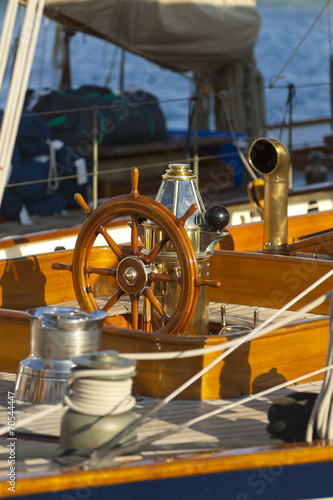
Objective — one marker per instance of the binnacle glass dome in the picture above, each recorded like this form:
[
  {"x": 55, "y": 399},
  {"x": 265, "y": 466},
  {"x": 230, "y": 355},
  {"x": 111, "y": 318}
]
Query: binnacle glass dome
[{"x": 178, "y": 192}]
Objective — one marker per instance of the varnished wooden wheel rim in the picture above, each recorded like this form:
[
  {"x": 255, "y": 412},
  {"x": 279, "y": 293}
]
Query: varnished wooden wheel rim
[{"x": 135, "y": 205}]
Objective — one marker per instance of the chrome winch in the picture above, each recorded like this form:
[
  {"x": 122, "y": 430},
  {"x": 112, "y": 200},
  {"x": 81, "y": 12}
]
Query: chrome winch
[
  {"x": 178, "y": 192},
  {"x": 57, "y": 335}
]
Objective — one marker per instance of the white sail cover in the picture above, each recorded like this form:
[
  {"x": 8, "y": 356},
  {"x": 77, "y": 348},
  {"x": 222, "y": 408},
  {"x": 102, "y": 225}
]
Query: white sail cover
[{"x": 182, "y": 35}]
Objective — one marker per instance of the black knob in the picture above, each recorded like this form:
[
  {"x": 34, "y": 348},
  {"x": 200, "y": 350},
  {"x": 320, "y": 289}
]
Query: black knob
[{"x": 217, "y": 217}]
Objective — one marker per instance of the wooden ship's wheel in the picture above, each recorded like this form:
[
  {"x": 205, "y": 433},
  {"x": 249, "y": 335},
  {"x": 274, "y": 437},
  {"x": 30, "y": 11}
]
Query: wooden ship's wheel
[{"x": 134, "y": 273}]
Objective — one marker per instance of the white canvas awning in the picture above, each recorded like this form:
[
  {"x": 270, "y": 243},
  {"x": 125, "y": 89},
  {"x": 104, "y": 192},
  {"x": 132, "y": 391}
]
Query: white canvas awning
[{"x": 179, "y": 35}]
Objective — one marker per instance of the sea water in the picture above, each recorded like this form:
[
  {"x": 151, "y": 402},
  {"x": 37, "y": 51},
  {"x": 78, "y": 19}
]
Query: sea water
[{"x": 284, "y": 25}]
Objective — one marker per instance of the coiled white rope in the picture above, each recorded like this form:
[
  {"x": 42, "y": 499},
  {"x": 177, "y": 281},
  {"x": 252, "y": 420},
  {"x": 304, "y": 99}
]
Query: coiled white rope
[
  {"x": 90, "y": 394},
  {"x": 96, "y": 392}
]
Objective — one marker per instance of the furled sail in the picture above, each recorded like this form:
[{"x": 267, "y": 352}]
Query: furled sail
[{"x": 186, "y": 35}]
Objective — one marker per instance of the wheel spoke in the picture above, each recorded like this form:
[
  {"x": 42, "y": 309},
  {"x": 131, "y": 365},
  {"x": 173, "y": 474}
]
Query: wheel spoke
[
  {"x": 135, "y": 311},
  {"x": 156, "y": 249},
  {"x": 212, "y": 283},
  {"x": 112, "y": 244},
  {"x": 134, "y": 236},
  {"x": 190, "y": 211},
  {"x": 113, "y": 299},
  {"x": 61, "y": 267},
  {"x": 165, "y": 278},
  {"x": 135, "y": 182},
  {"x": 101, "y": 271},
  {"x": 155, "y": 303},
  {"x": 81, "y": 201}
]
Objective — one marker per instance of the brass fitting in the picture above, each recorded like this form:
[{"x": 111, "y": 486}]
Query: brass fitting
[{"x": 270, "y": 158}]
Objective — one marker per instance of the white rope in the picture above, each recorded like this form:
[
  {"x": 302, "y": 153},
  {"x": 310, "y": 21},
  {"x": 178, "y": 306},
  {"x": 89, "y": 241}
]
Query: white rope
[
  {"x": 31, "y": 418},
  {"x": 251, "y": 397},
  {"x": 44, "y": 44},
  {"x": 253, "y": 334},
  {"x": 241, "y": 341},
  {"x": 18, "y": 87},
  {"x": 6, "y": 36},
  {"x": 58, "y": 52},
  {"x": 90, "y": 394},
  {"x": 52, "y": 180},
  {"x": 108, "y": 75},
  {"x": 321, "y": 417},
  {"x": 230, "y": 124},
  {"x": 186, "y": 425},
  {"x": 175, "y": 393}
]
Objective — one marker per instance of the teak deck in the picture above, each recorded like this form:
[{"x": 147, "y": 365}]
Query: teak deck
[{"x": 235, "y": 442}]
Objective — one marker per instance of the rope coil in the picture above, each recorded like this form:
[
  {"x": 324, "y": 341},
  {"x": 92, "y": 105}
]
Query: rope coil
[{"x": 100, "y": 392}]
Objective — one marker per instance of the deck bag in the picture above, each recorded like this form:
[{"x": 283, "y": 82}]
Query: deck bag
[
  {"x": 288, "y": 417},
  {"x": 33, "y": 197},
  {"x": 128, "y": 118},
  {"x": 38, "y": 157}
]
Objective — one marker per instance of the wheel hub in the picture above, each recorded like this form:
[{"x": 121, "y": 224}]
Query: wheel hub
[{"x": 132, "y": 275}]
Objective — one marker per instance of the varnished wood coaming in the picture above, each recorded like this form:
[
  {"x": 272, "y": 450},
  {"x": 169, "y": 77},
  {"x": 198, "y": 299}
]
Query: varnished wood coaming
[
  {"x": 247, "y": 278},
  {"x": 30, "y": 281},
  {"x": 313, "y": 245},
  {"x": 267, "y": 280},
  {"x": 249, "y": 237},
  {"x": 253, "y": 367},
  {"x": 287, "y": 353}
]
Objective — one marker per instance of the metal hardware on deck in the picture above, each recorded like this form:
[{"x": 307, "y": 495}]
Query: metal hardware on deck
[
  {"x": 57, "y": 335},
  {"x": 223, "y": 317},
  {"x": 270, "y": 158},
  {"x": 309, "y": 255},
  {"x": 99, "y": 400},
  {"x": 230, "y": 329},
  {"x": 179, "y": 192},
  {"x": 255, "y": 318}
]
